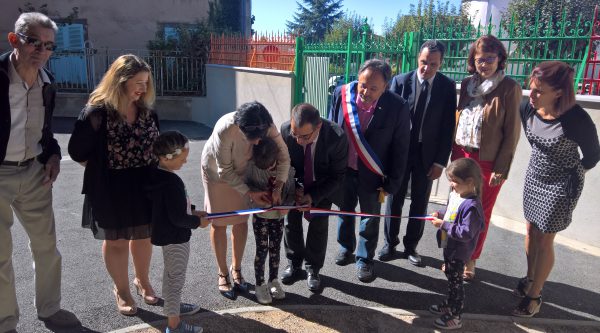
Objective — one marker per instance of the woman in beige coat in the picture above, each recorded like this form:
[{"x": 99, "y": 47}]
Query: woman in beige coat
[
  {"x": 224, "y": 160},
  {"x": 488, "y": 126}
]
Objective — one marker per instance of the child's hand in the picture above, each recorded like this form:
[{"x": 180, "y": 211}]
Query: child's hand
[
  {"x": 435, "y": 214},
  {"x": 204, "y": 222},
  {"x": 437, "y": 222}
]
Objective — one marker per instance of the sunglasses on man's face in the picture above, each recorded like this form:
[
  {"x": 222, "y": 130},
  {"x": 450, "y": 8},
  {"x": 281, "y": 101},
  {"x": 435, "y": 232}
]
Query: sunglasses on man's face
[{"x": 49, "y": 46}]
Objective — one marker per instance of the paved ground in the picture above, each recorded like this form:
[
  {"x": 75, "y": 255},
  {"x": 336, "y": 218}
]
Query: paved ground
[{"x": 572, "y": 292}]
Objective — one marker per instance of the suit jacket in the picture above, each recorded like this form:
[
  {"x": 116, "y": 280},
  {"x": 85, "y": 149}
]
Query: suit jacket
[
  {"x": 388, "y": 134},
  {"x": 437, "y": 127},
  {"x": 330, "y": 161},
  {"x": 49, "y": 144}
]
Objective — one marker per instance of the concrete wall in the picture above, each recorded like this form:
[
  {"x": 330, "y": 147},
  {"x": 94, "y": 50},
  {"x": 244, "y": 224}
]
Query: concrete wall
[
  {"x": 510, "y": 200},
  {"x": 114, "y": 24},
  {"x": 228, "y": 87},
  {"x": 167, "y": 107}
]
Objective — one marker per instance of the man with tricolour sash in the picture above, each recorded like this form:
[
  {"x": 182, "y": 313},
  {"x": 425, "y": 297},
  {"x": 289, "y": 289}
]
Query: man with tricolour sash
[{"x": 377, "y": 123}]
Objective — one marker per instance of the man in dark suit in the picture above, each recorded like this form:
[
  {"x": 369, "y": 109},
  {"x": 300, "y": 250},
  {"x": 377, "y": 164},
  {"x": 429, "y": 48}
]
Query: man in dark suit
[
  {"x": 431, "y": 100},
  {"x": 385, "y": 128},
  {"x": 319, "y": 152}
]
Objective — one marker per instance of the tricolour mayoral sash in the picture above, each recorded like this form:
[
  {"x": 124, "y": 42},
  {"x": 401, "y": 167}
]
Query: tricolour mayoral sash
[{"x": 358, "y": 140}]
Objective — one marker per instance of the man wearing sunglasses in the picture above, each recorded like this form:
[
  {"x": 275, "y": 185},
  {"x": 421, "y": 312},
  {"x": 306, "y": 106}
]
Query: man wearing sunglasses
[
  {"x": 319, "y": 153},
  {"x": 29, "y": 164}
]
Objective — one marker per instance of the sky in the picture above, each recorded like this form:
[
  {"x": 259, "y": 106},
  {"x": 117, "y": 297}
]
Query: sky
[{"x": 271, "y": 15}]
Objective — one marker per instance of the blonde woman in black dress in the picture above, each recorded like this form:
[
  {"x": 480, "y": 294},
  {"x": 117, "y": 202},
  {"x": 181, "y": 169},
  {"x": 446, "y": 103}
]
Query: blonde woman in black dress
[{"x": 556, "y": 128}]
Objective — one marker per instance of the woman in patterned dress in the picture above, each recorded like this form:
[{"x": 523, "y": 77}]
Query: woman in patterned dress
[
  {"x": 113, "y": 138},
  {"x": 555, "y": 127}
]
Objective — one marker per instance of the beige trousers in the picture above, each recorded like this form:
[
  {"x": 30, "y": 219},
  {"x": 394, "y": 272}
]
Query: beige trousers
[{"x": 22, "y": 192}]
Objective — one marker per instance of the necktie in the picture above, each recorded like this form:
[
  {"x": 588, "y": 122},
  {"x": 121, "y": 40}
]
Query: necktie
[
  {"x": 418, "y": 113},
  {"x": 308, "y": 172}
]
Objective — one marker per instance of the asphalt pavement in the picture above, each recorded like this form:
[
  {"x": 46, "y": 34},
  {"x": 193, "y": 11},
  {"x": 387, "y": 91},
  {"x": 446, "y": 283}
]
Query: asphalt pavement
[{"x": 572, "y": 292}]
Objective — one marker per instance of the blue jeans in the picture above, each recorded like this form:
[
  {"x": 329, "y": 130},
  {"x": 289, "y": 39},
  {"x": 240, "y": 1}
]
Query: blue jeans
[{"x": 368, "y": 229}]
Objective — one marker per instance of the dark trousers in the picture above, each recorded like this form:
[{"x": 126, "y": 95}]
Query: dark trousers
[
  {"x": 313, "y": 252},
  {"x": 456, "y": 290},
  {"x": 368, "y": 229},
  {"x": 420, "y": 189},
  {"x": 267, "y": 233}
]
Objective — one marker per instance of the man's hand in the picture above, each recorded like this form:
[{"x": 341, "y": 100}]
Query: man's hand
[
  {"x": 51, "y": 170},
  {"x": 434, "y": 172},
  {"x": 306, "y": 200}
]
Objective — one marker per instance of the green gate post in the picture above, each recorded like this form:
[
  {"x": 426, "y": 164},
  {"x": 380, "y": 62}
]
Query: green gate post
[
  {"x": 348, "y": 56},
  {"x": 299, "y": 72},
  {"x": 365, "y": 31}
]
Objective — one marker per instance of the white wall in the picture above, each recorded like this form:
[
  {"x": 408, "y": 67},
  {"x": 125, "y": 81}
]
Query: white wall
[
  {"x": 480, "y": 11},
  {"x": 228, "y": 87}
]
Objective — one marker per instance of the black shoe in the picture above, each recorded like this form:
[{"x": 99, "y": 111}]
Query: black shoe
[
  {"x": 365, "y": 272},
  {"x": 387, "y": 253},
  {"x": 291, "y": 274},
  {"x": 413, "y": 257},
  {"x": 344, "y": 258},
  {"x": 313, "y": 281}
]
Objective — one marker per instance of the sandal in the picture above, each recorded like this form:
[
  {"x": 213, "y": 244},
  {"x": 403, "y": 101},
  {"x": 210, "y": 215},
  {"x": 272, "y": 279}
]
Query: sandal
[
  {"x": 122, "y": 306},
  {"x": 149, "y": 298},
  {"x": 528, "y": 307},
  {"x": 225, "y": 286},
  {"x": 238, "y": 280},
  {"x": 522, "y": 287}
]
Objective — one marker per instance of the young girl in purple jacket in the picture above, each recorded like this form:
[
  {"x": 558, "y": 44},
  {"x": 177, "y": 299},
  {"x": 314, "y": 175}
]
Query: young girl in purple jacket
[{"x": 458, "y": 232}]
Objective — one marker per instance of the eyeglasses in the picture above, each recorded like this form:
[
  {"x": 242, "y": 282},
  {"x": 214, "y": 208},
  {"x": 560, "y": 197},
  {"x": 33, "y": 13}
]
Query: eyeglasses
[
  {"x": 488, "y": 60},
  {"x": 303, "y": 137},
  {"x": 49, "y": 46}
]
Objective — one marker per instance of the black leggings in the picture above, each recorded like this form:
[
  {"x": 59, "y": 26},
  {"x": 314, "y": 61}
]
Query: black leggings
[
  {"x": 456, "y": 291},
  {"x": 268, "y": 234}
]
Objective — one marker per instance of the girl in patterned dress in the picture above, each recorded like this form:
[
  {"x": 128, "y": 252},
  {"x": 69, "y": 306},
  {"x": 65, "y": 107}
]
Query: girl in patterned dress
[
  {"x": 556, "y": 128},
  {"x": 458, "y": 233},
  {"x": 268, "y": 226}
]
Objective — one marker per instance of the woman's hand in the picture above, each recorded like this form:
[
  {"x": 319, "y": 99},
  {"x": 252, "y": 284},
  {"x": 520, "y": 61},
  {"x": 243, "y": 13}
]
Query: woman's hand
[
  {"x": 276, "y": 195},
  {"x": 496, "y": 179},
  {"x": 261, "y": 198}
]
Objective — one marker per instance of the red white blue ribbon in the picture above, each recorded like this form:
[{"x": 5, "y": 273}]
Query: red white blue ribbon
[
  {"x": 316, "y": 211},
  {"x": 362, "y": 147}
]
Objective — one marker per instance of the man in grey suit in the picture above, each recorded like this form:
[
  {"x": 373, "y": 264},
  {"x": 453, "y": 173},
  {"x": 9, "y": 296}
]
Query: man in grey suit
[{"x": 431, "y": 100}]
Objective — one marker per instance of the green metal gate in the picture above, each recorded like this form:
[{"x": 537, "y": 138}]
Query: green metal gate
[{"x": 321, "y": 67}]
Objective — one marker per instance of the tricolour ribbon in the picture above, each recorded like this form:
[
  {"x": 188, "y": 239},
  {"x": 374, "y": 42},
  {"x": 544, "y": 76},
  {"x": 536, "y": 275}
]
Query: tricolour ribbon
[
  {"x": 315, "y": 211},
  {"x": 362, "y": 147}
]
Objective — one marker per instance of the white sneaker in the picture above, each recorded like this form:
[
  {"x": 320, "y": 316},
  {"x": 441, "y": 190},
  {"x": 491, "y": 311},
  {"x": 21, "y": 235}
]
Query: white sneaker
[
  {"x": 262, "y": 294},
  {"x": 276, "y": 289}
]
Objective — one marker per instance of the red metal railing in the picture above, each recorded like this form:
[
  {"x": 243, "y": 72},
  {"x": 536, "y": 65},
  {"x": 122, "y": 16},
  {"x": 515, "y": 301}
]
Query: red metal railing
[
  {"x": 591, "y": 80},
  {"x": 274, "y": 51}
]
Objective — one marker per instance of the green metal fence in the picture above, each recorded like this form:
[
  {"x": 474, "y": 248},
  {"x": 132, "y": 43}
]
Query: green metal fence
[
  {"x": 320, "y": 67},
  {"x": 527, "y": 45}
]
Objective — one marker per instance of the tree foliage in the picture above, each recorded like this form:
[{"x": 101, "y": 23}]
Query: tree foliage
[
  {"x": 224, "y": 16},
  {"x": 192, "y": 40},
  {"x": 421, "y": 17},
  {"x": 314, "y": 18},
  {"x": 339, "y": 29}
]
